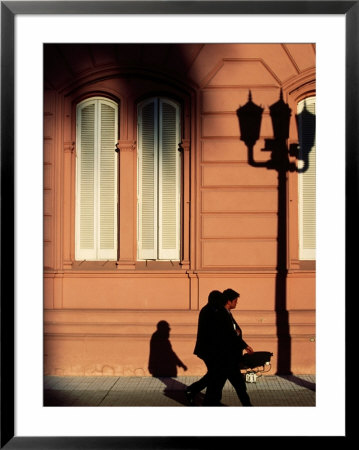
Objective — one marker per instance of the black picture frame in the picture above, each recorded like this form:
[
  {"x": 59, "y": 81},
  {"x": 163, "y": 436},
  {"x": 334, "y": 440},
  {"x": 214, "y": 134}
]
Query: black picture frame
[{"x": 9, "y": 9}]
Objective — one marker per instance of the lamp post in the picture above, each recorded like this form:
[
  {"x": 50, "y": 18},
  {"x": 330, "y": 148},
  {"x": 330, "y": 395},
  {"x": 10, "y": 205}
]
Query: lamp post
[{"x": 249, "y": 117}]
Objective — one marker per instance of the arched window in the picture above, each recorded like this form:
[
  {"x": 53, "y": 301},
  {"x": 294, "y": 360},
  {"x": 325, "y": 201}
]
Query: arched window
[
  {"x": 159, "y": 169},
  {"x": 96, "y": 180},
  {"x": 307, "y": 179}
]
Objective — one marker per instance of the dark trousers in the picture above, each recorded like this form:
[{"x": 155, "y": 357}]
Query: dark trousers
[
  {"x": 199, "y": 385},
  {"x": 237, "y": 380},
  {"x": 215, "y": 379}
]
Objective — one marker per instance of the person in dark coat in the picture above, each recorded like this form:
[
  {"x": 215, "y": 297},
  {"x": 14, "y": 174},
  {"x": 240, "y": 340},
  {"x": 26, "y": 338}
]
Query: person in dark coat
[
  {"x": 233, "y": 352},
  {"x": 206, "y": 347},
  {"x": 220, "y": 344},
  {"x": 207, "y": 321}
]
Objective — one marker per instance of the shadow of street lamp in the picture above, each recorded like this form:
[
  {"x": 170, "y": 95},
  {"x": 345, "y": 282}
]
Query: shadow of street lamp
[{"x": 250, "y": 116}]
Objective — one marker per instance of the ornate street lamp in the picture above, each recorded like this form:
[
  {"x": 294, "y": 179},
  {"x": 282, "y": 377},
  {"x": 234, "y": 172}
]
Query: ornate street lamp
[
  {"x": 249, "y": 117},
  {"x": 306, "y": 134},
  {"x": 280, "y": 114}
]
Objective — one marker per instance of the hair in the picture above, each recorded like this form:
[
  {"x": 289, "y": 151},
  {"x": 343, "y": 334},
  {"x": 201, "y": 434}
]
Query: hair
[
  {"x": 229, "y": 295},
  {"x": 163, "y": 325},
  {"x": 215, "y": 298}
]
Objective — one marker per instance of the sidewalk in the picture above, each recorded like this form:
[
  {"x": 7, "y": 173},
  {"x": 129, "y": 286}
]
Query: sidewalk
[{"x": 292, "y": 390}]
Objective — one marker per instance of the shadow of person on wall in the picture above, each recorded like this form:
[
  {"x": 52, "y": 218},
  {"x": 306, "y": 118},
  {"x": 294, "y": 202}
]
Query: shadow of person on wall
[{"x": 163, "y": 362}]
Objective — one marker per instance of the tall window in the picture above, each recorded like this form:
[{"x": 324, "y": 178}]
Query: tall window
[
  {"x": 158, "y": 180},
  {"x": 307, "y": 183},
  {"x": 96, "y": 180}
]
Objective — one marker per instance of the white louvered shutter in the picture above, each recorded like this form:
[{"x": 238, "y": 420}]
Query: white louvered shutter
[
  {"x": 85, "y": 199},
  {"x": 169, "y": 177},
  {"x": 107, "y": 227},
  {"x": 158, "y": 180},
  {"x": 307, "y": 189},
  {"x": 96, "y": 181},
  {"x": 147, "y": 180}
]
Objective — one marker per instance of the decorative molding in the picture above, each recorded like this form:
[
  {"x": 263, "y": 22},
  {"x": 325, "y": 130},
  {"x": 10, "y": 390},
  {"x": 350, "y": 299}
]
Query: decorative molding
[
  {"x": 69, "y": 147},
  {"x": 301, "y": 85},
  {"x": 302, "y": 266},
  {"x": 125, "y": 146},
  {"x": 67, "y": 264},
  {"x": 185, "y": 264},
  {"x": 184, "y": 145},
  {"x": 291, "y": 58},
  {"x": 125, "y": 264},
  {"x": 220, "y": 65}
]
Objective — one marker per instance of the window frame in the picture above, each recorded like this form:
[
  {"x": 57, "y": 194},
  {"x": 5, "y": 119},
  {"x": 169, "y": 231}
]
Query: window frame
[
  {"x": 158, "y": 253},
  {"x": 96, "y": 254},
  {"x": 305, "y": 254}
]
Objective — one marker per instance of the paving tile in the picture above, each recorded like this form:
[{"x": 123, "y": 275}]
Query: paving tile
[{"x": 293, "y": 390}]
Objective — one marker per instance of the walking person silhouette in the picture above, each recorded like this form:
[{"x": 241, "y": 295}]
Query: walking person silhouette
[{"x": 220, "y": 344}]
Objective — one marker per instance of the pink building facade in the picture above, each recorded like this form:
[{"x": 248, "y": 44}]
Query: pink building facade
[{"x": 151, "y": 201}]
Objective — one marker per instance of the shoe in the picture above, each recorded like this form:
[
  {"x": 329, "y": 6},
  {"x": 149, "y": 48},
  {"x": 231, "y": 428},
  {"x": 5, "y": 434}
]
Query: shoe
[{"x": 190, "y": 396}]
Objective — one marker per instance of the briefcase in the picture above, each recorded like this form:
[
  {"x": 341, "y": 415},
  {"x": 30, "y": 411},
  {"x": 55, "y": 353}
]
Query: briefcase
[{"x": 255, "y": 359}]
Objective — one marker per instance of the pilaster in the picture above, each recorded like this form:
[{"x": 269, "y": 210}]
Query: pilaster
[
  {"x": 127, "y": 204},
  {"x": 69, "y": 148},
  {"x": 184, "y": 147}
]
